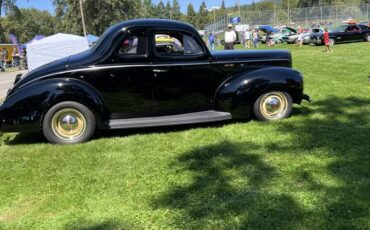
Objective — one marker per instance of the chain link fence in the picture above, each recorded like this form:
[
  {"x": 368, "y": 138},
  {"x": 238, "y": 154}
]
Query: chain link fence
[{"x": 306, "y": 17}]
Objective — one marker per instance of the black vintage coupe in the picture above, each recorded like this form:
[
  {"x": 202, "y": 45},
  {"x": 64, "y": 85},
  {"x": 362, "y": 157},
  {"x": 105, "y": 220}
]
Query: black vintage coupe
[
  {"x": 344, "y": 34},
  {"x": 144, "y": 73}
]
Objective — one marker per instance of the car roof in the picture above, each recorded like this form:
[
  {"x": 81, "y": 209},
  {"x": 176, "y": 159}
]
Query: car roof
[
  {"x": 151, "y": 22},
  {"x": 106, "y": 39}
]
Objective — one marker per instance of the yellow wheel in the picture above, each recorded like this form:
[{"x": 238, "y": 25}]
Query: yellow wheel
[
  {"x": 68, "y": 123},
  {"x": 273, "y": 106}
]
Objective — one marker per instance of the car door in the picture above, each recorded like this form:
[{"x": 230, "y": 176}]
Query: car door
[
  {"x": 352, "y": 33},
  {"x": 125, "y": 79},
  {"x": 183, "y": 77},
  {"x": 340, "y": 34}
]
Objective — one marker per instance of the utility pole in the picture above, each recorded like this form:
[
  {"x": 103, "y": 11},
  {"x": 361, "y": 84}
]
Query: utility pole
[
  {"x": 83, "y": 18},
  {"x": 288, "y": 13},
  {"x": 274, "y": 13},
  {"x": 239, "y": 7}
]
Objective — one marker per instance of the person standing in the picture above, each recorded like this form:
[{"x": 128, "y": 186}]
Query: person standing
[
  {"x": 300, "y": 40},
  {"x": 15, "y": 56},
  {"x": 243, "y": 38},
  {"x": 255, "y": 38},
  {"x": 230, "y": 38},
  {"x": 1, "y": 61},
  {"x": 300, "y": 29},
  {"x": 326, "y": 40},
  {"x": 211, "y": 41},
  {"x": 247, "y": 39},
  {"x": 5, "y": 58}
]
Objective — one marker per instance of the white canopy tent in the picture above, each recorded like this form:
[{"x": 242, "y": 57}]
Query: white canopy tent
[{"x": 53, "y": 48}]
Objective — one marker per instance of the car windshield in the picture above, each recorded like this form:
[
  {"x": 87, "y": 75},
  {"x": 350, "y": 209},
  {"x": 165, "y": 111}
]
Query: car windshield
[
  {"x": 340, "y": 28},
  {"x": 101, "y": 39}
]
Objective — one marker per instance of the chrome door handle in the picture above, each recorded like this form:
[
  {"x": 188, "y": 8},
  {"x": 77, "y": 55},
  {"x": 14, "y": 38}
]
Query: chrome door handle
[{"x": 160, "y": 70}]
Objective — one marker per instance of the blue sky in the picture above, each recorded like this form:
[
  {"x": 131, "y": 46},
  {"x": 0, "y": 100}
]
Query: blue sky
[{"x": 48, "y": 5}]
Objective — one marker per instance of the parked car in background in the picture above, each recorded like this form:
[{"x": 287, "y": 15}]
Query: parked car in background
[
  {"x": 344, "y": 34},
  {"x": 365, "y": 23},
  {"x": 283, "y": 35},
  {"x": 147, "y": 73},
  {"x": 292, "y": 39},
  {"x": 311, "y": 32}
]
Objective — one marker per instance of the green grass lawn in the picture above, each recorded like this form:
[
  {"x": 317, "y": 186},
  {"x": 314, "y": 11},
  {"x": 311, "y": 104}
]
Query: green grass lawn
[{"x": 311, "y": 171}]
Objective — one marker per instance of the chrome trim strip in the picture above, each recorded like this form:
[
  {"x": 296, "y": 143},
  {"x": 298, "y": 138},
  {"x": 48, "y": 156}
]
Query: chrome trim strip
[
  {"x": 90, "y": 68},
  {"x": 248, "y": 61}
]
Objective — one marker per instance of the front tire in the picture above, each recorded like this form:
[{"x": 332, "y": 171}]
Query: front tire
[
  {"x": 68, "y": 123},
  {"x": 273, "y": 105},
  {"x": 331, "y": 41}
]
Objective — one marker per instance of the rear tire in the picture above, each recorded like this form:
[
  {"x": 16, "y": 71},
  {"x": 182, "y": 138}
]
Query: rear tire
[
  {"x": 68, "y": 123},
  {"x": 273, "y": 105},
  {"x": 331, "y": 41},
  {"x": 367, "y": 37}
]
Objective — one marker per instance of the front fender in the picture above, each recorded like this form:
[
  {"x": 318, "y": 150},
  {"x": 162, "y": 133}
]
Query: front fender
[
  {"x": 238, "y": 93},
  {"x": 24, "y": 110}
]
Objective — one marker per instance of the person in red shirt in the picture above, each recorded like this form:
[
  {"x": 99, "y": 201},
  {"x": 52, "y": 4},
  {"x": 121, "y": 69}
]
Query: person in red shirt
[{"x": 326, "y": 40}]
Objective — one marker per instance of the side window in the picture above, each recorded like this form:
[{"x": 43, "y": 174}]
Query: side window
[
  {"x": 133, "y": 45},
  {"x": 176, "y": 44},
  {"x": 363, "y": 27}
]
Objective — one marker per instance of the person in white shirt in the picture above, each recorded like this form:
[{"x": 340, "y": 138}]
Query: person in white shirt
[
  {"x": 230, "y": 38},
  {"x": 300, "y": 40},
  {"x": 247, "y": 39}
]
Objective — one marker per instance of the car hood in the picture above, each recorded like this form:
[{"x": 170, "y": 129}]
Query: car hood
[
  {"x": 236, "y": 55},
  {"x": 64, "y": 64}
]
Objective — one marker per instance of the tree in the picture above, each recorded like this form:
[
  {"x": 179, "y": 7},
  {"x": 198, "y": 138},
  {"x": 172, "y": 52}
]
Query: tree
[
  {"x": 191, "y": 15},
  {"x": 203, "y": 16},
  {"x": 176, "y": 12},
  {"x": 149, "y": 9},
  {"x": 31, "y": 22},
  {"x": 161, "y": 10},
  {"x": 99, "y": 14},
  {"x": 9, "y": 9},
  {"x": 168, "y": 10},
  {"x": 222, "y": 11}
]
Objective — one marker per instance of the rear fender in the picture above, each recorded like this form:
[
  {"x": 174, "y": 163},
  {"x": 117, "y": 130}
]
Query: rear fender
[
  {"x": 24, "y": 110},
  {"x": 238, "y": 93}
]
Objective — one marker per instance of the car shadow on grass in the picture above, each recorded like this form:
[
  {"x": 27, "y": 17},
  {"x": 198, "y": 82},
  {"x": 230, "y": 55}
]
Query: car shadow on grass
[
  {"x": 103, "y": 225},
  {"x": 36, "y": 138},
  {"x": 228, "y": 190},
  {"x": 230, "y": 186}
]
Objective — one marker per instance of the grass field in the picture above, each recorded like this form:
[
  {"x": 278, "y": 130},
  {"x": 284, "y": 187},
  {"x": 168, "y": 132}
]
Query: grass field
[{"x": 311, "y": 171}]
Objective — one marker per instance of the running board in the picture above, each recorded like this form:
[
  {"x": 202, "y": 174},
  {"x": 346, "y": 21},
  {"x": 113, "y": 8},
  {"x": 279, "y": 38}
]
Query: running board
[{"x": 182, "y": 119}]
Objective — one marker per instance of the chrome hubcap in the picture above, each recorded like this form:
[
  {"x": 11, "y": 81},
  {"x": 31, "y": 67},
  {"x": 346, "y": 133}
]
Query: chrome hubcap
[
  {"x": 368, "y": 38},
  {"x": 273, "y": 105},
  {"x": 68, "y": 124}
]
